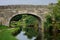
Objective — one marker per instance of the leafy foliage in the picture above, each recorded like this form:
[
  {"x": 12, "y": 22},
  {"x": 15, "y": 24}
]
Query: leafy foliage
[
  {"x": 24, "y": 21},
  {"x": 54, "y": 17},
  {"x": 30, "y": 32},
  {"x": 53, "y": 23}
]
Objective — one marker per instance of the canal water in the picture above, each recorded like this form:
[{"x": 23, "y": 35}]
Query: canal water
[
  {"x": 28, "y": 33},
  {"x": 21, "y": 36}
]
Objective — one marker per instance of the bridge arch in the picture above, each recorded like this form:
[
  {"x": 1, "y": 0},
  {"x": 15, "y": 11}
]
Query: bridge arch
[
  {"x": 40, "y": 27},
  {"x": 32, "y": 14}
]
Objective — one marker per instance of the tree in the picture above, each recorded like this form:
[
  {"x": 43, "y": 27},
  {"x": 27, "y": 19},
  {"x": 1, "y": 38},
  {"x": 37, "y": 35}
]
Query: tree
[{"x": 54, "y": 19}]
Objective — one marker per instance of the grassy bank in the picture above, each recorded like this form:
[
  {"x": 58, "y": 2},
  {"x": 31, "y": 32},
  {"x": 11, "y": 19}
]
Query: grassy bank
[{"x": 6, "y": 33}]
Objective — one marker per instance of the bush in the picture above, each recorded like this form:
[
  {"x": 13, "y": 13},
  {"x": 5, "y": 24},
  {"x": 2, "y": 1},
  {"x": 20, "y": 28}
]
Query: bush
[{"x": 3, "y": 27}]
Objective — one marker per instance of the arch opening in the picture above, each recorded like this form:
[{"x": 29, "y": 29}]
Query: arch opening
[{"x": 30, "y": 22}]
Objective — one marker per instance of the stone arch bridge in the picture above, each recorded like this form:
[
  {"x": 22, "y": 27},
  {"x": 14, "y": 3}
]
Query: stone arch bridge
[{"x": 7, "y": 12}]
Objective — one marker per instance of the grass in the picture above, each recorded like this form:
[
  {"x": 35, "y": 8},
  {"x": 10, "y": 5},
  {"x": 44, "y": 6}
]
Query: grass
[
  {"x": 3, "y": 27},
  {"x": 6, "y": 33}
]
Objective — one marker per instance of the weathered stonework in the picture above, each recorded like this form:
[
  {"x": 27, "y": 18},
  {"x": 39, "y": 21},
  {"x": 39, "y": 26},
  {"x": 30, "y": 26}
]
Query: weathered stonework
[{"x": 7, "y": 12}]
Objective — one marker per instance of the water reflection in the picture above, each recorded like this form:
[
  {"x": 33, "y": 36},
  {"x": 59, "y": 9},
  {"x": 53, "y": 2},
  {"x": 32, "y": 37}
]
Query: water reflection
[
  {"x": 21, "y": 36},
  {"x": 28, "y": 33}
]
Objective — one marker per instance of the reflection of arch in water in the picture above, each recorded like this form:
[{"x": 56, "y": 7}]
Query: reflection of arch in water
[{"x": 38, "y": 18}]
